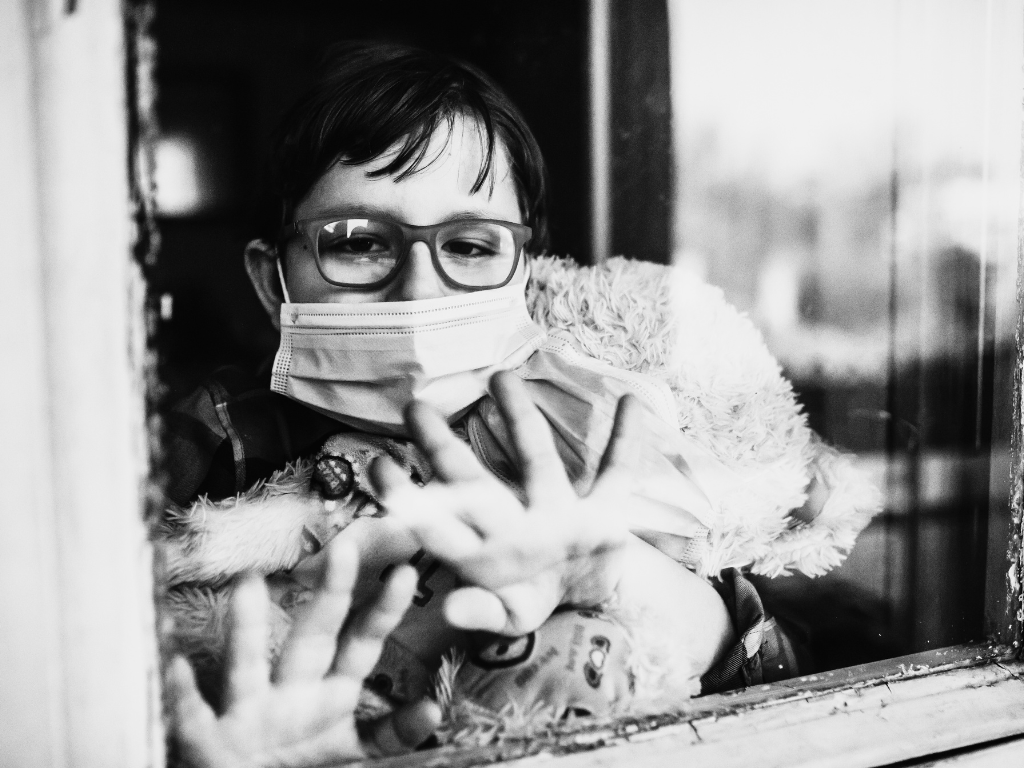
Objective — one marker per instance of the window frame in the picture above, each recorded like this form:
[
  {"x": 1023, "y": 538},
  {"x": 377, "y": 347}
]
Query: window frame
[
  {"x": 873, "y": 714},
  {"x": 79, "y": 677},
  {"x": 89, "y": 557}
]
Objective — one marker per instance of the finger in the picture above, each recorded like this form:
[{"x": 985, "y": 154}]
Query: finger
[
  {"x": 622, "y": 454},
  {"x": 511, "y": 611},
  {"x": 543, "y": 474},
  {"x": 431, "y": 513},
  {"x": 482, "y": 503},
  {"x": 248, "y": 669},
  {"x": 361, "y": 642},
  {"x": 450, "y": 458},
  {"x": 389, "y": 480},
  {"x": 405, "y": 729},
  {"x": 193, "y": 721},
  {"x": 312, "y": 643},
  {"x": 474, "y": 608}
]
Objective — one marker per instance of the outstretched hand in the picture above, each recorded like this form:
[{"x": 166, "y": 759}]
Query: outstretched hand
[
  {"x": 303, "y": 715},
  {"x": 520, "y": 561}
]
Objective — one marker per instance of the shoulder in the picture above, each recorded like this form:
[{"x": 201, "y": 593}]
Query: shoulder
[{"x": 232, "y": 431}]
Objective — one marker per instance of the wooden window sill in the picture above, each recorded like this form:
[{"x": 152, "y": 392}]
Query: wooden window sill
[{"x": 902, "y": 709}]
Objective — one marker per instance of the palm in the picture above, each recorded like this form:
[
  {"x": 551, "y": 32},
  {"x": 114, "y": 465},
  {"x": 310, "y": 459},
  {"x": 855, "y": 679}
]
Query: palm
[{"x": 295, "y": 724}]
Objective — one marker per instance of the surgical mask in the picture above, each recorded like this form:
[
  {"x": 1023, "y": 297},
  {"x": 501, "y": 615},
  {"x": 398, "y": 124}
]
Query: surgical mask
[{"x": 363, "y": 363}]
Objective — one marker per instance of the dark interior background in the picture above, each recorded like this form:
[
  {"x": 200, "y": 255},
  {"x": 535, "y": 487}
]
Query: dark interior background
[{"x": 227, "y": 71}]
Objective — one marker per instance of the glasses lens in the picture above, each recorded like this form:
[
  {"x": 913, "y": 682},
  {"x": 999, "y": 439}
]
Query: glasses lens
[
  {"x": 478, "y": 254},
  {"x": 357, "y": 251}
]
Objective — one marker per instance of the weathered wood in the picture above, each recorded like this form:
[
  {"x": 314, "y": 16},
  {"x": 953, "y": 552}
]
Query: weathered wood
[
  {"x": 78, "y": 668},
  {"x": 912, "y": 665},
  {"x": 34, "y": 725},
  {"x": 847, "y": 729},
  {"x": 1004, "y": 600},
  {"x": 875, "y": 715}
]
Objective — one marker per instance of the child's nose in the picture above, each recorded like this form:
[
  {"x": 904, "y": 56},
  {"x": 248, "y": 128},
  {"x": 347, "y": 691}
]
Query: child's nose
[{"x": 418, "y": 278}]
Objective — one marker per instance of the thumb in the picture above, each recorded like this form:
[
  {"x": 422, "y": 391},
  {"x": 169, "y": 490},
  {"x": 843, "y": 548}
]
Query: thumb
[{"x": 475, "y": 608}]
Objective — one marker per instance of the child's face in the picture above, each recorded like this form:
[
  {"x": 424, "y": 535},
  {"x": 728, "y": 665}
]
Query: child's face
[{"x": 435, "y": 193}]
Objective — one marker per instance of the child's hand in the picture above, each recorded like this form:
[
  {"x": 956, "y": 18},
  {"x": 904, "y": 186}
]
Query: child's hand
[
  {"x": 304, "y": 717},
  {"x": 521, "y": 562}
]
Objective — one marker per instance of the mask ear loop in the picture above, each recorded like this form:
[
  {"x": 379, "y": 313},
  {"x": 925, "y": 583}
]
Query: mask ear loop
[{"x": 284, "y": 285}]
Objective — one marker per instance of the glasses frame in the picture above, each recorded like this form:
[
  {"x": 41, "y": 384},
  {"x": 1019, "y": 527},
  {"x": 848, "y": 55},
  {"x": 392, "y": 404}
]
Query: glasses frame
[{"x": 308, "y": 228}]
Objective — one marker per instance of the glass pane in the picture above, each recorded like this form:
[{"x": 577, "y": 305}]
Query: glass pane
[{"x": 848, "y": 173}]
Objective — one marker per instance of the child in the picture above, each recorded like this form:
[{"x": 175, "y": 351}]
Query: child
[{"x": 412, "y": 192}]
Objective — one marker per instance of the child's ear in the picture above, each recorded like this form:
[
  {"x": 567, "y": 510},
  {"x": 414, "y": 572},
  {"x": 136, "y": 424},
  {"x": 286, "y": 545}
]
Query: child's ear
[{"x": 261, "y": 265}]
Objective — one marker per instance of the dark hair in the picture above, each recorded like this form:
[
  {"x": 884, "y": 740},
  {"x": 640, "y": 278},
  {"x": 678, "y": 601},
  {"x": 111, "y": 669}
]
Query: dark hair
[{"x": 368, "y": 97}]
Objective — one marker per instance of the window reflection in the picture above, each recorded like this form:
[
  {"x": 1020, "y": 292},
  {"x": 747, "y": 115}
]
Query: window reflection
[{"x": 847, "y": 172}]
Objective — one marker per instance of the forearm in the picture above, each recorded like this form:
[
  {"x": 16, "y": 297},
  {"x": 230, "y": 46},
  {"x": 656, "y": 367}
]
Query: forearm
[{"x": 690, "y": 609}]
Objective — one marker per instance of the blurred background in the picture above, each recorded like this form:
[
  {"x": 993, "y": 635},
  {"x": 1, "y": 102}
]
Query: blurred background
[
  {"x": 849, "y": 173},
  {"x": 846, "y": 170}
]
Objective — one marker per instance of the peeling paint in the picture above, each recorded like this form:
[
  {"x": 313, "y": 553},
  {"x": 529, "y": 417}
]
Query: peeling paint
[
  {"x": 1010, "y": 630},
  {"x": 140, "y": 64}
]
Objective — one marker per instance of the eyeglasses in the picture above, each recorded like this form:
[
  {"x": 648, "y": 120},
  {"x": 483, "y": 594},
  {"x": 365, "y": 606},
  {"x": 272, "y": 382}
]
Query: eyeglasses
[{"x": 354, "y": 251}]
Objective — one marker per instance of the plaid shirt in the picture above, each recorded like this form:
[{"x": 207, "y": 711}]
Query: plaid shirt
[
  {"x": 233, "y": 431},
  {"x": 764, "y": 653}
]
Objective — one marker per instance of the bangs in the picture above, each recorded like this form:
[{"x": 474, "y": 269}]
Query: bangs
[
  {"x": 414, "y": 155},
  {"x": 371, "y": 98}
]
